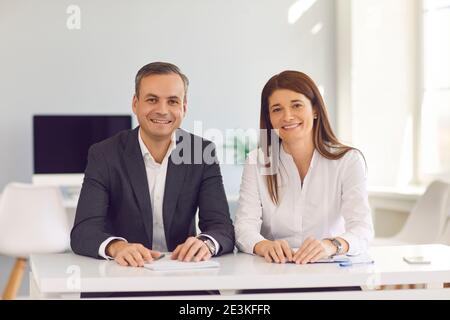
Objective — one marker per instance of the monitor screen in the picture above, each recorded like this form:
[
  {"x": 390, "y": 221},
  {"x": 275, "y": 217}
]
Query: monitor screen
[{"x": 61, "y": 143}]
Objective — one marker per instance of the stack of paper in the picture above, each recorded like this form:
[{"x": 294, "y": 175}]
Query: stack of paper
[
  {"x": 171, "y": 265},
  {"x": 361, "y": 259},
  {"x": 345, "y": 260}
]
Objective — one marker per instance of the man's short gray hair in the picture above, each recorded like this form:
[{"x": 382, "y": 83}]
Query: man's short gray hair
[{"x": 159, "y": 68}]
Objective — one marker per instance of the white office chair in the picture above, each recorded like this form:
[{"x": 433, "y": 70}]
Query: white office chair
[
  {"x": 445, "y": 236},
  {"x": 32, "y": 220},
  {"x": 427, "y": 219}
]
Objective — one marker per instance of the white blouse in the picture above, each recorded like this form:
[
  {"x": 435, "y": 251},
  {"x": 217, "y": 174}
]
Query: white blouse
[{"x": 333, "y": 202}]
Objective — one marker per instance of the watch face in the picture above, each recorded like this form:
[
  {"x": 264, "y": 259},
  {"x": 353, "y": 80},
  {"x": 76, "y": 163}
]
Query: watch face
[
  {"x": 338, "y": 246},
  {"x": 210, "y": 245}
]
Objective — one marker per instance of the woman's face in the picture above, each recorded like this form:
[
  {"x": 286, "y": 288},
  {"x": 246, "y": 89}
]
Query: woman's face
[{"x": 292, "y": 114}]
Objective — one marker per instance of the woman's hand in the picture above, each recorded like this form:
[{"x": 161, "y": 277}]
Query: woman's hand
[
  {"x": 277, "y": 251},
  {"x": 313, "y": 250}
]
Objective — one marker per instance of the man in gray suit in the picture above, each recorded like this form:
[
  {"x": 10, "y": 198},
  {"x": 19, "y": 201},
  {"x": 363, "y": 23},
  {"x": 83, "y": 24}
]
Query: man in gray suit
[{"x": 142, "y": 187}]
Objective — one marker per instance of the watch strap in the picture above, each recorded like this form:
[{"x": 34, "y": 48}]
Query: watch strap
[
  {"x": 209, "y": 244},
  {"x": 338, "y": 245}
]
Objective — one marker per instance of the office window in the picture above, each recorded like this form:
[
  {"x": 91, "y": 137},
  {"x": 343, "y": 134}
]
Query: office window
[{"x": 434, "y": 146}]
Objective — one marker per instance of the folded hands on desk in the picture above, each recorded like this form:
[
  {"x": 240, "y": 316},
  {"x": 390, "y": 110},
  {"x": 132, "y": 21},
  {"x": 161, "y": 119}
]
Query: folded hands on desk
[
  {"x": 312, "y": 250},
  {"x": 136, "y": 255}
]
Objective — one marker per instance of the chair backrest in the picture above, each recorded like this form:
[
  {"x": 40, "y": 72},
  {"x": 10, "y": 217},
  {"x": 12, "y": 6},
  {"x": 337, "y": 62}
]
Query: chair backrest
[
  {"x": 32, "y": 220},
  {"x": 427, "y": 219},
  {"x": 445, "y": 236}
]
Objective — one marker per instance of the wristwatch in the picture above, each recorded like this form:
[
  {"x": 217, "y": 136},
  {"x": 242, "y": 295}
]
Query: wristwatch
[
  {"x": 338, "y": 245},
  {"x": 209, "y": 244}
]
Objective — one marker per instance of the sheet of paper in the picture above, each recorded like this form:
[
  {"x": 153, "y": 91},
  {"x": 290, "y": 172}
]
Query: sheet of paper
[
  {"x": 344, "y": 259},
  {"x": 172, "y": 265},
  {"x": 364, "y": 258},
  {"x": 335, "y": 259}
]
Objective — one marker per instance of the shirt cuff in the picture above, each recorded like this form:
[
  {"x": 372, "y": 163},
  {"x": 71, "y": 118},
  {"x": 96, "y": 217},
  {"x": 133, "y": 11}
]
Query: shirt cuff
[
  {"x": 247, "y": 243},
  {"x": 216, "y": 244},
  {"x": 356, "y": 246},
  {"x": 102, "y": 248}
]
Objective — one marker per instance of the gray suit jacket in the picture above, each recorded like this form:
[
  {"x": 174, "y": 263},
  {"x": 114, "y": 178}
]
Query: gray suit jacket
[{"x": 115, "y": 200}]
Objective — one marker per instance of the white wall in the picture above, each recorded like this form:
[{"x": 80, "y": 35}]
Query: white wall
[
  {"x": 385, "y": 93},
  {"x": 379, "y": 47},
  {"x": 228, "y": 49}
]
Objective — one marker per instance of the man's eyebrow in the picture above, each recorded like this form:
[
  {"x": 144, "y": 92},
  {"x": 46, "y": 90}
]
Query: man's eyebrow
[
  {"x": 151, "y": 95},
  {"x": 174, "y": 97}
]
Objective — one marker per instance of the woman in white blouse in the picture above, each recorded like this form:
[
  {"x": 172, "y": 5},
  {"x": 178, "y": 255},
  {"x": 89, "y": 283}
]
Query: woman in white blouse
[{"x": 314, "y": 203}]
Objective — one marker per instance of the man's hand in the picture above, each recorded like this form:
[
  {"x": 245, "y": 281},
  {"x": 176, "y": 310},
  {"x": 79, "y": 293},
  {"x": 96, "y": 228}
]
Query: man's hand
[
  {"x": 130, "y": 254},
  {"x": 192, "y": 249},
  {"x": 277, "y": 251}
]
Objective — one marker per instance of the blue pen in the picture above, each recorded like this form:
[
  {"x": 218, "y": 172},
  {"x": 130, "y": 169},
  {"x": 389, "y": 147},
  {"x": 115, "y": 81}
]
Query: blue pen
[{"x": 349, "y": 263}]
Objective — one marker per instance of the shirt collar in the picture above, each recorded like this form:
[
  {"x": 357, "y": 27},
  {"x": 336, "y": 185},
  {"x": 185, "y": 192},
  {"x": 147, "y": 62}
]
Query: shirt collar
[
  {"x": 286, "y": 156},
  {"x": 147, "y": 154}
]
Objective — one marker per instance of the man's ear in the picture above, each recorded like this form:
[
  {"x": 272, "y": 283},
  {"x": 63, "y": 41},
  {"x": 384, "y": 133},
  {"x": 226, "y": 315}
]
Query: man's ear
[
  {"x": 185, "y": 106},
  {"x": 134, "y": 104}
]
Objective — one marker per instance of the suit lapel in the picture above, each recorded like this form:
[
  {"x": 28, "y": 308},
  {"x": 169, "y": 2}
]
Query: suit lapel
[
  {"x": 174, "y": 182},
  {"x": 138, "y": 178}
]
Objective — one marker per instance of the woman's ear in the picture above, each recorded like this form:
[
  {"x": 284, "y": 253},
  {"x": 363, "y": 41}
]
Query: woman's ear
[{"x": 315, "y": 112}]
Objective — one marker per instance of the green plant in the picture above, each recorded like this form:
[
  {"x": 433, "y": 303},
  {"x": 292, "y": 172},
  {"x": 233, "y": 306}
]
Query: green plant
[{"x": 241, "y": 145}]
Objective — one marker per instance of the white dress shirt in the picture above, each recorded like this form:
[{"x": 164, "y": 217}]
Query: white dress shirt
[
  {"x": 156, "y": 178},
  {"x": 333, "y": 202}
]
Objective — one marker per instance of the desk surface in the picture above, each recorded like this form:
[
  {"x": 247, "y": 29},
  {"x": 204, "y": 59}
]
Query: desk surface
[{"x": 69, "y": 273}]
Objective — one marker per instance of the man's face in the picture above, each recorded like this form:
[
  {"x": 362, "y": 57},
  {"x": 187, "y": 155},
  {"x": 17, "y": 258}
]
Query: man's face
[{"x": 161, "y": 105}]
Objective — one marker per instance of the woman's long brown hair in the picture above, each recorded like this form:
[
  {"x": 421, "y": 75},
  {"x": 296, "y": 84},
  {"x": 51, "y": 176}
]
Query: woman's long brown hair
[{"x": 324, "y": 138}]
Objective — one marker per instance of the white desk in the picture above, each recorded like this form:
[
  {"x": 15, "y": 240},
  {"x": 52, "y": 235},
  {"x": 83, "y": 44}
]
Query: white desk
[{"x": 66, "y": 275}]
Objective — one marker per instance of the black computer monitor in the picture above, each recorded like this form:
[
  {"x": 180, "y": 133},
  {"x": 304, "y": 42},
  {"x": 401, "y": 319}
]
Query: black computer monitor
[{"x": 61, "y": 142}]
